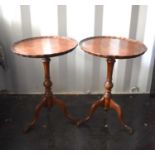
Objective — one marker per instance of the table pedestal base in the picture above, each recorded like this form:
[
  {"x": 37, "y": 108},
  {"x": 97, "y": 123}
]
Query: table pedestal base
[
  {"x": 106, "y": 100},
  {"x": 48, "y": 99},
  {"x": 113, "y": 105},
  {"x": 48, "y": 102}
]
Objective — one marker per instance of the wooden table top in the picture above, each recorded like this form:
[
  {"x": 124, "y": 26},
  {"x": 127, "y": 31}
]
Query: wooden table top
[
  {"x": 107, "y": 46},
  {"x": 44, "y": 46}
]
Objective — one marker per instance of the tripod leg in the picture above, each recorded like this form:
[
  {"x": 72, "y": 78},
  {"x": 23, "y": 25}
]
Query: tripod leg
[
  {"x": 64, "y": 109},
  {"x": 36, "y": 115},
  {"x": 117, "y": 108},
  {"x": 91, "y": 111}
]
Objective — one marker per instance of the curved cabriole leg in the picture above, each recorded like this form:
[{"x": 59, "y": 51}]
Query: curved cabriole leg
[
  {"x": 91, "y": 111},
  {"x": 64, "y": 109},
  {"x": 117, "y": 108},
  {"x": 36, "y": 115}
]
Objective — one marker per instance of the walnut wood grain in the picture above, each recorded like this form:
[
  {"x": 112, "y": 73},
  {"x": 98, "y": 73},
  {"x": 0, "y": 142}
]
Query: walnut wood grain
[
  {"x": 117, "y": 47},
  {"x": 44, "y": 46}
]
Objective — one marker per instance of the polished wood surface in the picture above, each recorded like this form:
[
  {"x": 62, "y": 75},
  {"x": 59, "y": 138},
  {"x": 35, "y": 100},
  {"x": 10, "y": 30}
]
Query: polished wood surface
[
  {"x": 117, "y": 47},
  {"x": 110, "y": 48},
  {"x": 44, "y": 46}
]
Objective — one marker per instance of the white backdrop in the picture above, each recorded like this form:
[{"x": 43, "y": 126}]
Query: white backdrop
[{"x": 76, "y": 72}]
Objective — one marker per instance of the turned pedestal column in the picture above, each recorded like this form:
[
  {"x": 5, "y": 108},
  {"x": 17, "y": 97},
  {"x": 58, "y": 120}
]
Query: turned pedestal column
[{"x": 48, "y": 99}]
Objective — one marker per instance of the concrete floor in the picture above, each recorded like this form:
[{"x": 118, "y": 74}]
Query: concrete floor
[{"x": 54, "y": 132}]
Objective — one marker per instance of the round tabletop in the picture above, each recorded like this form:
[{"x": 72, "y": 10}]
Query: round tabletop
[
  {"x": 44, "y": 46},
  {"x": 117, "y": 47}
]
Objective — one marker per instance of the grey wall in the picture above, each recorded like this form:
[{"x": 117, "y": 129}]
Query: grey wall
[{"x": 76, "y": 72}]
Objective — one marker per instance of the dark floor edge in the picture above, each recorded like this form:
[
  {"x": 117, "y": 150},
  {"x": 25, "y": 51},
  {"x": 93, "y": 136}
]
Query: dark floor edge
[{"x": 12, "y": 94}]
